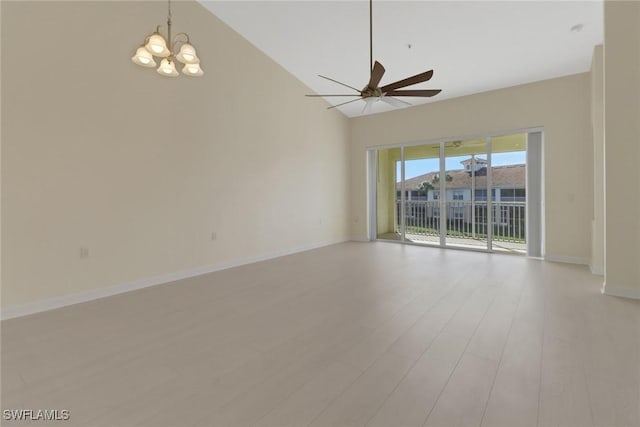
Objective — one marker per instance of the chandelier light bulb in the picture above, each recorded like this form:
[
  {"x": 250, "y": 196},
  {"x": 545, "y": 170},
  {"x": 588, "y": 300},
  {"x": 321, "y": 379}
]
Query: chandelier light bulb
[
  {"x": 192, "y": 70},
  {"x": 157, "y": 46},
  {"x": 187, "y": 54},
  {"x": 143, "y": 58},
  {"x": 167, "y": 68}
]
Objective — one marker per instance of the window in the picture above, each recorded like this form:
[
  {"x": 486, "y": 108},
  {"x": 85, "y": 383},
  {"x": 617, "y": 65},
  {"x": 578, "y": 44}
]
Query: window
[
  {"x": 519, "y": 195},
  {"x": 513, "y": 194},
  {"x": 481, "y": 194},
  {"x": 458, "y": 195},
  {"x": 436, "y": 195}
]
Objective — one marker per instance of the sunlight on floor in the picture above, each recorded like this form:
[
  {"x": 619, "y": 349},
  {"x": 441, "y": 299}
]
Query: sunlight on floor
[{"x": 455, "y": 242}]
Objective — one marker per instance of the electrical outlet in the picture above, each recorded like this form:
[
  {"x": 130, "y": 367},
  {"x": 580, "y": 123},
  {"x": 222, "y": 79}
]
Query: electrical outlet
[{"x": 84, "y": 252}]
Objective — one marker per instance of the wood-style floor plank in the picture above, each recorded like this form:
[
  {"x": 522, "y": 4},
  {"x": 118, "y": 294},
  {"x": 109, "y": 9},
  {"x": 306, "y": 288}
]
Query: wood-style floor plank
[{"x": 376, "y": 334}]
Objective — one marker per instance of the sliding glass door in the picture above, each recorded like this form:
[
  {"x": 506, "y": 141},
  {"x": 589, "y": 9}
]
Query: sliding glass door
[{"x": 458, "y": 193}]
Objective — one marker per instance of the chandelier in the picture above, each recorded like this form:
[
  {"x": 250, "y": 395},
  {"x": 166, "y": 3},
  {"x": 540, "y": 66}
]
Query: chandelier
[{"x": 156, "y": 45}]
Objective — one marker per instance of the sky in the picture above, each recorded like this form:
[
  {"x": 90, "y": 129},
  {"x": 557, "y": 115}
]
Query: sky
[{"x": 420, "y": 167}]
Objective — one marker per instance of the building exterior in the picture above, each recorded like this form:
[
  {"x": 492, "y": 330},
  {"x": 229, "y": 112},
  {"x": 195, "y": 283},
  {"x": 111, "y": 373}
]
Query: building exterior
[{"x": 466, "y": 199}]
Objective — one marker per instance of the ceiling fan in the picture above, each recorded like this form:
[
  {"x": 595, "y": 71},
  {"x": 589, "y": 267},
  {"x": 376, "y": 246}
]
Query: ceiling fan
[
  {"x": 372, "y": 92},
  {"x": 450, "y": 144}
]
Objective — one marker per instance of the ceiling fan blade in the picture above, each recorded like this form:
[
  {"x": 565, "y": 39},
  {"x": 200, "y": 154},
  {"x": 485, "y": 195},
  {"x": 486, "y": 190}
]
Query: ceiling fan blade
[
  {"x": 332, "y": 95},
  {"x": 395, "y": 102},
  {"x": 376, "y": 75},
  {"x": 344, "y": 103},
  {"x": 340, "y": 83},
  {"x": 418, "y": 78},
  {"x": 367, "y": 107},
  {"x": 425, "y": 93}
]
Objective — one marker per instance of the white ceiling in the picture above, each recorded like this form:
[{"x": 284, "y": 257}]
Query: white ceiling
[{"x": 472, "y": 46}]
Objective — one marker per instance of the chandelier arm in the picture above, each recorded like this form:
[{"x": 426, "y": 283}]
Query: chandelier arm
[
  {"x": 175, "y": 41},
  {"x": 183, "y": 41}
]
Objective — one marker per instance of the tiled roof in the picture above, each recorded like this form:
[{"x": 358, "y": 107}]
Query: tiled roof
[{"x": 512, "y": 176}]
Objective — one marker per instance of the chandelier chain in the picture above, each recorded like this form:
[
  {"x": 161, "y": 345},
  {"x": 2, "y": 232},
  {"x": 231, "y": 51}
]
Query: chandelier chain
[{"x": 169, "y": 25}]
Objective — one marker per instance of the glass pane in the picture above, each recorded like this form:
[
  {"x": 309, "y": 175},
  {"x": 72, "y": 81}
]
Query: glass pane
[
  {"x": 508, "y": 160},
  {"x": 465, "y": 178},
  {"x": 422, "y": 204}
]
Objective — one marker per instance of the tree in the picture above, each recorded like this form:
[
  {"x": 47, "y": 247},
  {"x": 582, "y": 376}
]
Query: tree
[
  {"x": 425, "y": 186},
  {"x": 436, "y": 179}
]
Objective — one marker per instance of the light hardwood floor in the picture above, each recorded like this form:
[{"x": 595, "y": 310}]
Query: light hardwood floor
[{"x": 375, "y": 334}]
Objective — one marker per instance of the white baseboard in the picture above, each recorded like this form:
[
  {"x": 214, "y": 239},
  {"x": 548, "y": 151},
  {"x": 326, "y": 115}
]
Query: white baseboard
[
  {"x": 567, "y": 259},
  {"x": 66, "y": 300},
  {"x": 359, "y": 239},
  {"x": 598, "y": 270},
  {"x": 595, "y": 269},
  {"x": 617, "y": 291}
]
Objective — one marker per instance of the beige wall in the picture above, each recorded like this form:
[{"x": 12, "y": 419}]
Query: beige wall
[
  {"x": 561, "y": 105},
  {"x": 597, "y": 126},
  {"x": 622, "y": 147},
  {"x": 100, "y": 153}
]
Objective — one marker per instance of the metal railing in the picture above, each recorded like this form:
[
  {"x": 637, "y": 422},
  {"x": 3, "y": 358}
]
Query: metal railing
[{"x": 465, "y": 219}]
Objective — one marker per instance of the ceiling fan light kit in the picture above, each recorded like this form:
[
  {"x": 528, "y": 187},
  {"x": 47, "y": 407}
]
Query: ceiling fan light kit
[
  {"x": 372, "y": 93},
  {"x": 155, "y": 45}
]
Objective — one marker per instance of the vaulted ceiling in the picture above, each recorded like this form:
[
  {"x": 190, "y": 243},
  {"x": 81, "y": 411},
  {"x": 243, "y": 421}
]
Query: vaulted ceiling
[{"x": 473, "y": 46}]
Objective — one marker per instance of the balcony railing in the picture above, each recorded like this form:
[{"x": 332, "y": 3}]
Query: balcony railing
[{"x": 465, "y": 219}]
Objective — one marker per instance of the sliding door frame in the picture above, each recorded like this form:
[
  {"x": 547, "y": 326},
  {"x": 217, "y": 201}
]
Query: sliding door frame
[
  {"x": 489, "y": 196},
  {"x": 403, "y": 199},
  {"x": 538, "y": 186},
  {"x": 442, "y": 199},
  {"x": 372, "y": 196}
]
